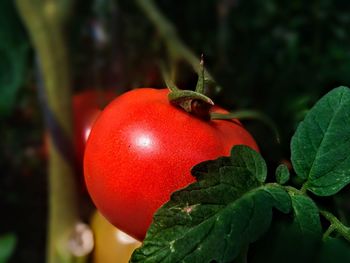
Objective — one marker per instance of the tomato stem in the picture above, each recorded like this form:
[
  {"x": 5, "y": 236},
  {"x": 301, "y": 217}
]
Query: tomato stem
[
  {"x": 248, "y": 114},
  {"x": 167, "y": 79},
  {"x": 200, "y": 88},
  {"x": 192, "y": 102},
  {"x": 335, "y": 225},
  {"x": 176, "y": 49}
]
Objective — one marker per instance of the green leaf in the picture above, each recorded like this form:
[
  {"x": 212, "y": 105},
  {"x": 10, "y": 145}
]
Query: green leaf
[
  {"x": 7, "y": 246},
  {"x": 293, "y": 239},
  {"x": 306, "y": 227},
  {"x": 14, "y": 50},
  {"x": 216, "y": 217},
  {"x": 321, "y": 144},
  {"x": 247, "y": 159},
  {"x": 282, "y": 174},
  {"x": 306, "y": 217}
]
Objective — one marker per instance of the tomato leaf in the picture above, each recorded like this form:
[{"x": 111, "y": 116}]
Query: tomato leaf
[
  {"x": 216, "y": 217},
  {"x": 295, "y": 238},
  {"x": 320, "y": 146},
  {"x": 7, "y": 246},
  {"x": 306, "y": 224},
  {"x": 282, "y": 174},
  {"x": 306, "y": 217}
]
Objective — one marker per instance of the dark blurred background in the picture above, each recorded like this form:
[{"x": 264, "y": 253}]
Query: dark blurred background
[{"x": 277, "y": 57}]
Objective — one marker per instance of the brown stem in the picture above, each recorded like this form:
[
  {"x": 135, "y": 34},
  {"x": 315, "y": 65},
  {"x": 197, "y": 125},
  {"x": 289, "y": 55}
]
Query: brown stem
[{"x": 44, "y": 21}]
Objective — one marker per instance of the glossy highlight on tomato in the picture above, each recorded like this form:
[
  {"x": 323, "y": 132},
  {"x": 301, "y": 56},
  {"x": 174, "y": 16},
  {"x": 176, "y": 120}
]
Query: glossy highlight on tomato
[{"x": 142, "y": 148}]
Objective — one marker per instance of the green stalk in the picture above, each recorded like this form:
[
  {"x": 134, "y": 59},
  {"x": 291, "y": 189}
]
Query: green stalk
[
  {"x": 44, "y": 20},
  {"x": 177, "y": 50},
  {"x": 248, "y": 114},
  {"x": 335, "y": 225}
]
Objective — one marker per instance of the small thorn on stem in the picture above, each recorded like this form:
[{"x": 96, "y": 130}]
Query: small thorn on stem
[{"x": 200, "y": 87}]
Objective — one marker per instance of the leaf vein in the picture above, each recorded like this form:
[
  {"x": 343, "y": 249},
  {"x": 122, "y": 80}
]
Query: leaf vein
[{"x": 329, "y": 124}]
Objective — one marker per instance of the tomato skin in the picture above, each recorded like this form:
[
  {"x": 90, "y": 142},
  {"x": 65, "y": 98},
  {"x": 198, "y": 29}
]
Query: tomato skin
[
  {"x": 142, "y": 148},
  {"x": 87, "y": 105}
]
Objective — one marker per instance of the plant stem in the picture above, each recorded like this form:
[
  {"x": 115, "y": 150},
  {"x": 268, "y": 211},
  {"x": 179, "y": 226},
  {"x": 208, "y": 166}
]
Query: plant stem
[
  {"x": 293, "y": 190},
  {"x": 248, "y": 114},
  {"x": 304, "y": 188},
  {"x": 328, "y": 232},
  {"x": 176, "y": 48},
  {"x": 336, "y": 225},
  {"x": 44, "y": 21}
]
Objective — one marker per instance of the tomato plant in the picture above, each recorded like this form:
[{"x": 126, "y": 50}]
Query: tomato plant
[
  {"x": 142, "y": 148},
  {"x": 237, "y": 201}
]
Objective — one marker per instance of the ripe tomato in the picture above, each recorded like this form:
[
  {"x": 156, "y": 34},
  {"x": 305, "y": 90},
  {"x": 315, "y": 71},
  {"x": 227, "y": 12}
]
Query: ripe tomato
[
  {"x": 87, "y": 105},
  {"x": 111, "y": 244},
  {"x": 142, "y": 148}
]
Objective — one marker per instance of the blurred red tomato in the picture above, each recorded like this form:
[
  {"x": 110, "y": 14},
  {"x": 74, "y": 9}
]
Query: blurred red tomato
[{"x": 87, "y": 105}]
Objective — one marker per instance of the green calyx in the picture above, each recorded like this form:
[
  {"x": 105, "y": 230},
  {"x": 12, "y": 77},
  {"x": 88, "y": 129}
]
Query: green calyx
[
  {"x": 198, "y": 104},
  {"x": 194, "y": 102}
]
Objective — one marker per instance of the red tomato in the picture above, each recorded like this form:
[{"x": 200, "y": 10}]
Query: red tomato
[
  {"x": 142, "y": 148},
  {"x": 87, "y": 105}
]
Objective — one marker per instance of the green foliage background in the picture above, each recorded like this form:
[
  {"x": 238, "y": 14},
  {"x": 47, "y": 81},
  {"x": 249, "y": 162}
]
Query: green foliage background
[{"x": 278, "y": 57}]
